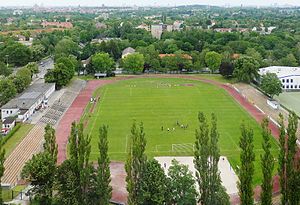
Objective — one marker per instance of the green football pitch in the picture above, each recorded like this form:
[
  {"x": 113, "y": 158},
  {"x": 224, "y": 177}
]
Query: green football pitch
[{"x": 159, "y": 102}]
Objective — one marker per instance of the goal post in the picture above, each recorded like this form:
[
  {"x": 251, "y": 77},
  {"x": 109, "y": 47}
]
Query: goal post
[{"x": 183, "y": 148}]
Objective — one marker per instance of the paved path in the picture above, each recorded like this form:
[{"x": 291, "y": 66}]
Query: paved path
[{"x": 259, "y": 99}]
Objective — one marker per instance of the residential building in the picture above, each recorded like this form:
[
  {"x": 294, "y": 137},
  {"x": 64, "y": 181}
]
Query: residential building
[
  {"x": 127, "y": 51},
  {"x": 57, "y": 24},
  {"x": 289, "y": 76},
  {"x": 223, "y": 30},
  {"x": 8, "y": 124},
  {"x": 157, "y": 30},
  {"x": 144, "y": 26},
  {"x": 28, "y": 102},
  {"x": 177, "y": 25}
]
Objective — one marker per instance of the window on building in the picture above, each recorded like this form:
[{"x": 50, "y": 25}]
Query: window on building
[
  {"x": 11, "y": 112},
  {"x": 283, "y": 86},
  {"x": 283, "y": 80},
  {"x": 292, "y": 80},
  {"x": 287, "y": 80},
  {"x": 7, "y": 112},
  {"x": 291, "y": 86},
  {"x": 287, "y": 87}
]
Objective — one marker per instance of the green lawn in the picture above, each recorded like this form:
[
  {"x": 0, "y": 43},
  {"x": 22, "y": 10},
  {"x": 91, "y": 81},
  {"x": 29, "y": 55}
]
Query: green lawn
[
  {"x": 291, "y": 100},
  {"x": 17, "y": 138},
  {"x": 162, "y": 102},
  {"x": 9, "y": 194}
]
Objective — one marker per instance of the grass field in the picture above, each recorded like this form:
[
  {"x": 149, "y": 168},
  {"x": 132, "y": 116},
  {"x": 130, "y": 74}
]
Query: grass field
[
  {"x": 163, "y": 102},
  {"x": 291, "y": 100}
]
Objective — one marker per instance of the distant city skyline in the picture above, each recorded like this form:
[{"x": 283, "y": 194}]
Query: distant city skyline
[{"x": 147, "y": 2}]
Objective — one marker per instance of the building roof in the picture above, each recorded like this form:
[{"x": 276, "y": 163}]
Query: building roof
[
  {"x": 186, "y": 56},
  {"x": 27, "y": 98},
  {"x": 128, "y": 50},
  {"x": 9, "y": 120},
  {"x": 281, "y": 71}
]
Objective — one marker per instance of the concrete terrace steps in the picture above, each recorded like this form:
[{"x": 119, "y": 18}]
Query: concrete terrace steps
[{"x": 29, "y": 146}]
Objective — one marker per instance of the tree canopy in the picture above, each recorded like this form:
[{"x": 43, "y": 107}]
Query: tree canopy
[
  {"x": 271, "y": 84},
  {"x": 134, "y": 63}
]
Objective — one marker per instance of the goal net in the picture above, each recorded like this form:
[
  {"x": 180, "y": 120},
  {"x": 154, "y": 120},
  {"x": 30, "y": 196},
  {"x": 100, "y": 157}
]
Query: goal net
[{"x": 183, "y": 148}]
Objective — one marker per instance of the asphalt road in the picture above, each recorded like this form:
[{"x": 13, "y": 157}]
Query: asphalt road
[{"x": 44, "y": 65}]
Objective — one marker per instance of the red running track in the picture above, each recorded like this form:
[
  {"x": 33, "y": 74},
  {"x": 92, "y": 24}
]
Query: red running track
[{"x": 76, "y": 110}]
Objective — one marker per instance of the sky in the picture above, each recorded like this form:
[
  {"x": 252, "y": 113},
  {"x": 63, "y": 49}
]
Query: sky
[{"x": 147, "y": 2}]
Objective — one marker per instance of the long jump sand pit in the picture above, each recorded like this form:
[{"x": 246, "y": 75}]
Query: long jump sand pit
[{"x": 228, "y": 176}]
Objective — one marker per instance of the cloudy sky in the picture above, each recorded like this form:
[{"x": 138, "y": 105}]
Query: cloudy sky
[{"x": 145, "y": 2}]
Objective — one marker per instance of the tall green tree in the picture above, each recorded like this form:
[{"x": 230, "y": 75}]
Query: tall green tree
[
  {"x": 17, "y": 54},
  {"x": 102, "y": 63},
  {"x": 22, "y": 79},
  {"x": 104, "y": 190},
  {"x": 213, "y": 60},
  {"x": 40, "y": 171},
  {"x": 246, "y": 170},
  {"x": 182, "y": 184},
  {"x": 267, "y": 164},
  {"x": 271, "y": 84},
  {"x": 289, "y": 60},
  {"x": 80, "y": 180},
  {"x": 154, "y": 184},
  {"x": 201, "y": 156},
  {"x": 134, "y": 63},
  {"x": 206, "y": 161},
  {"x": 7, "y": 91},
  {"x": 282, "y": 161},
  {"x": 135, "y": 163},
  {"x": 246, "y": 69},
  {"x": 66, "y": 47},
  {"x": 33, "y": 67},
  {"x": 50, "y": 145},
  {"x": 218, "y": 195},
  {"x": 2, "y": 168},
  {"x": 292, "y": 171}
]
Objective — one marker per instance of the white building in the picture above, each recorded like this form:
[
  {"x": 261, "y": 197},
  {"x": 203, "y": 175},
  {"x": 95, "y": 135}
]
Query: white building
[
  {"x": 289, "y": 76},
  {"x": 8, "y": 124},
  {"x": 24, "y": 105}
]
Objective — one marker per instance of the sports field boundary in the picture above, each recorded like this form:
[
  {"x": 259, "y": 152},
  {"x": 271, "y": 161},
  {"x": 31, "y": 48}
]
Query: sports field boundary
[{"x": 78, "y": 106}]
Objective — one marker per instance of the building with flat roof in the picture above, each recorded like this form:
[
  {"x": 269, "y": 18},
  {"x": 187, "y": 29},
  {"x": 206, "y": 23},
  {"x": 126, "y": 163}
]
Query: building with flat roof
[
  {"x": 26, "y": 103},
  {"x": 289, "y": 76},
  {"x": 157, "y": 30}
]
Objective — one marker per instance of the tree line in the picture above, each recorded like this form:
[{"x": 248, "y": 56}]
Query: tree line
[
  {"x": 12, "y": 84},
  {"x": 79, "y": 181}
]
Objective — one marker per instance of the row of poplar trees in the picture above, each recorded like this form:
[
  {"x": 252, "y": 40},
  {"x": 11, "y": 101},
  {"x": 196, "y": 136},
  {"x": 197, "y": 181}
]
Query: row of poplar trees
[
  {"x": 79, "y": 181},
  {"x": 288, "y": 164}
]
